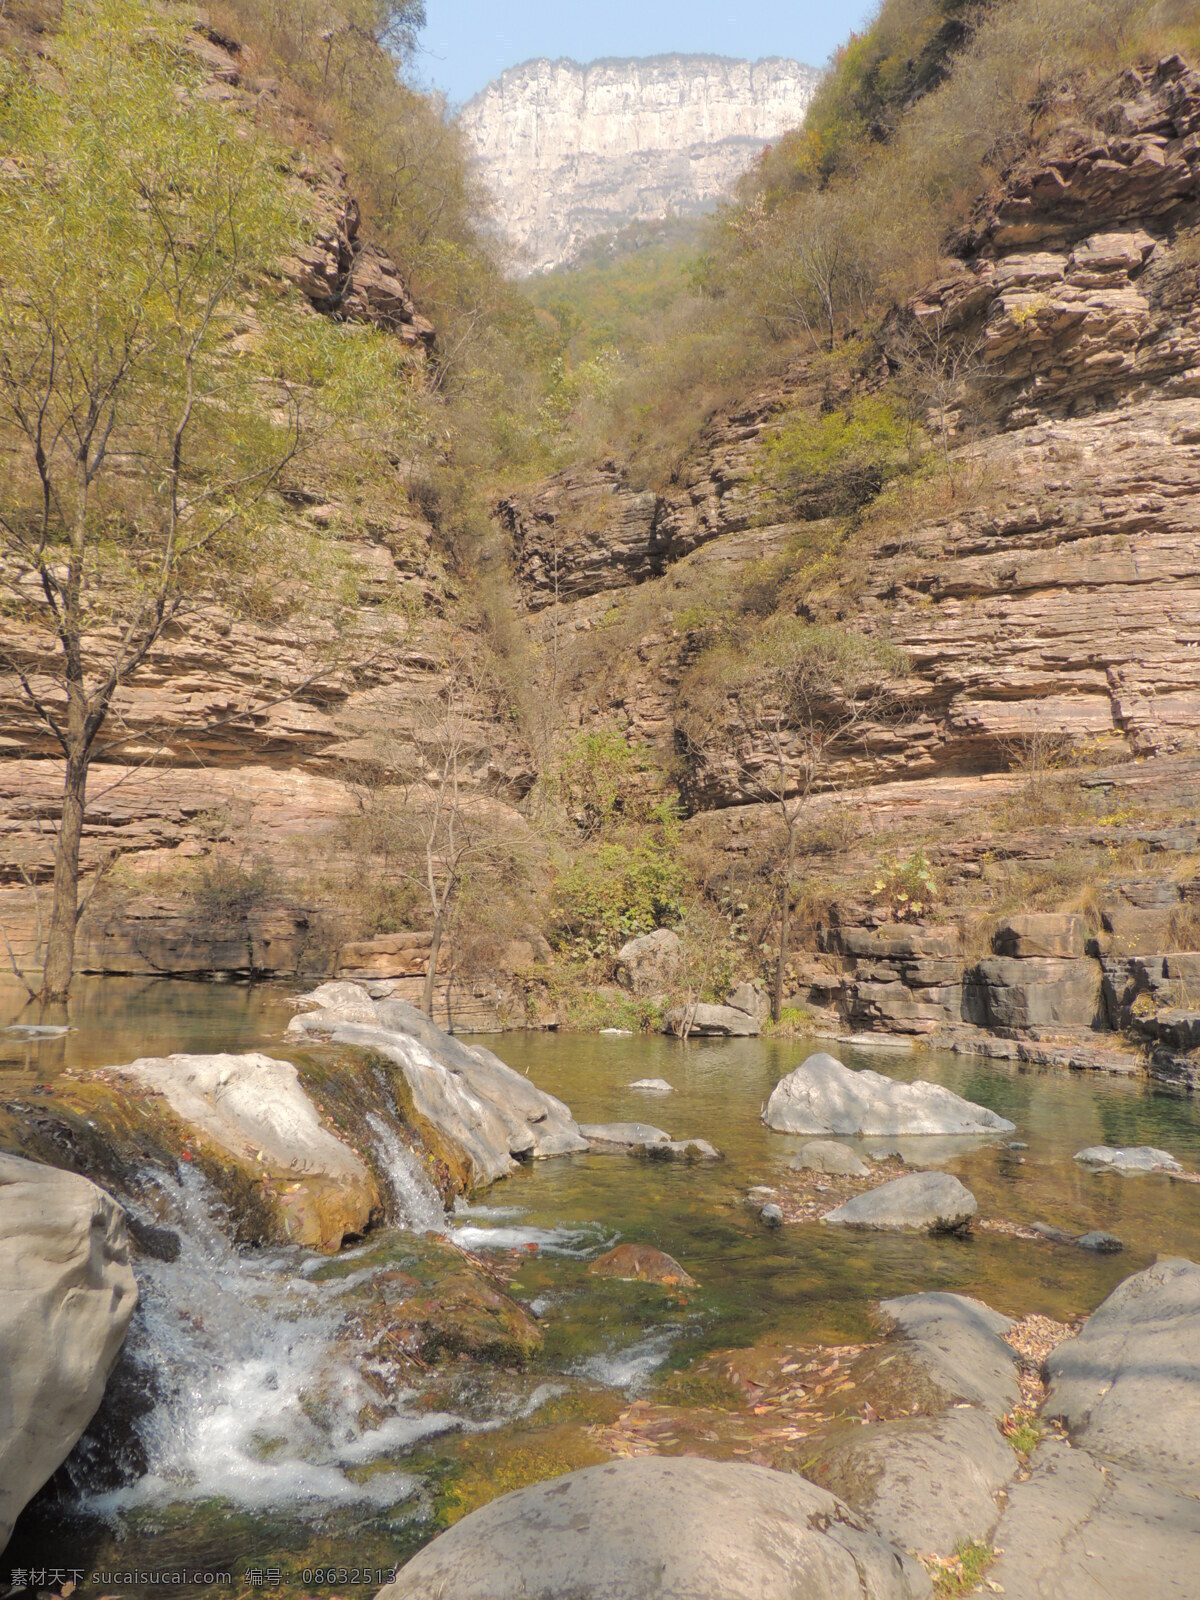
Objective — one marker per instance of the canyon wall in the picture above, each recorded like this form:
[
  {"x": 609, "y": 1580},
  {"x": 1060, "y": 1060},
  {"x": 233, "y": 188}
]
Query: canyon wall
[{"x": 568, "y": 151}]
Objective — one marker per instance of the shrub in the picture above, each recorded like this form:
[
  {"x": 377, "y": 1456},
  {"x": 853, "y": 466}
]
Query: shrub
[
  {"x": 908, "y": 889},
  {"x": 617, "y": 889},
  {"x": 838, "y": 461}
]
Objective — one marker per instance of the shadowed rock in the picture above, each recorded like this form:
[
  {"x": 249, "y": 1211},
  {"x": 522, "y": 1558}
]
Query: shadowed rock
[{"x": 67, "y": 1293}]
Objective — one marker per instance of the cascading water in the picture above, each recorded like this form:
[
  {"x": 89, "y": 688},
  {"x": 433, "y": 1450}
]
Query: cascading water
[
  {"x": 418, "y": 1205},
  {"x": 261, "y": 1389}
]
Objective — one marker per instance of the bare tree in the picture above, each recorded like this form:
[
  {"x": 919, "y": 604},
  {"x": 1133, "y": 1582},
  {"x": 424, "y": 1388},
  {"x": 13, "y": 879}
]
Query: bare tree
[
  {"x": 801, "y": 699},
  {"x": 935, "y": 357}
]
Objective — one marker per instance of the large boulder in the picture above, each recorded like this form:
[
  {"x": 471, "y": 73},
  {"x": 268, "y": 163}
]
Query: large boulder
[
  {"x": 823, "y": 1096},
  {"x": 711, "y": 1022},
  {"x": 927, "y": 1483},
  {"x": 920, "y": 1202},
  {"x": 489, "y": 1115},
  {"x": 256, "y": 1114},
  {"x": 749, "y": 997},
  {"x": 650, "y": 962},
  {"x": 1128, "y": 1386},
  {"x": 663, "y": 1528},
  {"x": 67, "y": 1293}
]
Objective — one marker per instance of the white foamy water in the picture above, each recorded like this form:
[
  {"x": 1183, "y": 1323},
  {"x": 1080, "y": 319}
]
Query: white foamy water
[
  {"x": 260, "y": 1388},
  {"x": 418, "y": 1204},
  {"x": 630, "y": 1369}
]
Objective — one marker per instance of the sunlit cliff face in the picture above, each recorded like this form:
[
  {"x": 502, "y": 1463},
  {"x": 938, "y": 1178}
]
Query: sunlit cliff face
[{"x": 571, "y": 151}]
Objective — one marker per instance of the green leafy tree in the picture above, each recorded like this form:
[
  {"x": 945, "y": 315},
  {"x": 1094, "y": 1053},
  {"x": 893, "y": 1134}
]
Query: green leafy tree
[{"x": 155, "y": 381}]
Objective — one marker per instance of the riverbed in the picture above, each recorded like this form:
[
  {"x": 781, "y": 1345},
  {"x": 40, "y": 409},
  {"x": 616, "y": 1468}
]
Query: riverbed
[{"x": 259, "y": 1445}]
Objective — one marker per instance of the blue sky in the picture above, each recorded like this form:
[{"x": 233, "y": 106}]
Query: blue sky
[{"x": 468, "y": 42}]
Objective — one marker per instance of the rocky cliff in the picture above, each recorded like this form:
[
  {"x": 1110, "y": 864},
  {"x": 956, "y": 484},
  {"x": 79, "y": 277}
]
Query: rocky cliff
[{"x": 568, "y": 151}]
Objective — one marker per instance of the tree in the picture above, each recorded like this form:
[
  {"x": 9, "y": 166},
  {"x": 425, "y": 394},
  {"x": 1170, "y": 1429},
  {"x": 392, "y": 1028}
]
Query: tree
[
  {"x": 155, "y": 381},
  {"x": 799, "y": 699},
  {"x": 427, "y": 809}
]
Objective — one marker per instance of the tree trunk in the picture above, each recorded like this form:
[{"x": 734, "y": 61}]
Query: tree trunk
[
  {"x": 64, "y": 916},
  {"x": 431, "y": 970},
  {"x": 785, "y": 908}
]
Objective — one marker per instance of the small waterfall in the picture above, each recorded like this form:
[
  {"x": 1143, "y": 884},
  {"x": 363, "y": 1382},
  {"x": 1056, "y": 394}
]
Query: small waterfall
[
  {"x": 418, "y": 1205},
  {"x": 263, "y": 1396}
]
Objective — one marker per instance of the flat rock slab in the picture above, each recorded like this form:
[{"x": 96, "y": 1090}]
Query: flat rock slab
[
  {"x": 1133, "y": 1158},
  {"x": 682, "y": 1150},
  {"x": 652, "y": 1086},
  {"x": 640, "y": 1263},
  {"x": 256, "y": 1111},
  {"x": 663, "y": 1528},
  {"x": 606, "y": 1137},
  {"x": 824, "y": 1097},
  {"x": 1084, "y": 1529},
  {"x": 946, "y": 1350},
  {"x": 920, "y": 1202},
  {"x": 828, "y": 1156},
  {"x": 1128, "y": 1386},
  {"x": 711, "y": 1022},
  {"x": 490, "y": 1114},
  {"x": 926, "y": 1483},
  {"x": 67, "y": 1293}
]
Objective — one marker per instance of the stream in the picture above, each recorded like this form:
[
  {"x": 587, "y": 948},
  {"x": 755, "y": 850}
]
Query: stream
[{"x": 250, "y": 1425}]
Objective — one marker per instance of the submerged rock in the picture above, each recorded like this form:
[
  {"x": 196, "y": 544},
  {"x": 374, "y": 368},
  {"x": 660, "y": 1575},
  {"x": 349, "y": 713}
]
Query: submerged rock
[
  {"x": 67, "y": 1293},
  {"x": 711, "y": 1022},
  {"x": 652, "y": 1086},
  {"x": 491, "y": 1116},
  {"x": 920, "y": 1202},
  {"x": 1135, "y": 1158},
  {"x": 828, "y": 1156},
  {"x": 605, "y": 1137},
  {"x": 256, "y": 1113},
  {"x": 641, "y": 1263},
  {"x": 663, "y": 1529},
  {"x": 823, "y": 1096},
  {"x": 772, "y": 1215}
]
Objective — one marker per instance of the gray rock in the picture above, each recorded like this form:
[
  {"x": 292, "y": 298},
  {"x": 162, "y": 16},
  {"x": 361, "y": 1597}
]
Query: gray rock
[
  {"x": 749, "y": 997},
  {"x": 921, "y": 1202},
  {"x": 1054, "y": 1234},
  {"x": 926, "y": 1483},
  {"x": 823, "y": 1096},
  {"x": 1041, "y": 934},
  {"x": 830, "y": 1157},
  {"x": 67, "y": 1293},
  {"x": 771, "y": 1215},
  {"x": 1128, "y": 1385},
  {"x": 1040, "y": 993},
  {"x": 1133, "y": 1158},
  {"x": 1104, "y": 1244},
  {"x": 663, "y": 1528},
  {"x": 477, "y": 1102},
  {"x": 652, "y": 1086},
  {"x": 605, "y": 1138},
  {"x": 711, "y": 1022},
  {"x": 650, "y": 961},
  {"x": 949, "y": 1351},
  {"x": 1082, "y": 1528}
]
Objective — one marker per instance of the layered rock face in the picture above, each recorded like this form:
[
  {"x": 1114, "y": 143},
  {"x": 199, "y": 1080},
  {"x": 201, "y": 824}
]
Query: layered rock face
[{"x": 570, "y": 151}]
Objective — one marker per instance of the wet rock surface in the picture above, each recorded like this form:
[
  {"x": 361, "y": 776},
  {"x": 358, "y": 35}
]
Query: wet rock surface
[
  {"x": 824, "y": 1097},
  {"x": 642, "y": 1264},
  {"x": 256, "y": 1112},
  {"x": 677, "y": 1529},
  {"x": 67, "y": 1292},
  {"x": 488, "y": 1113}
]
